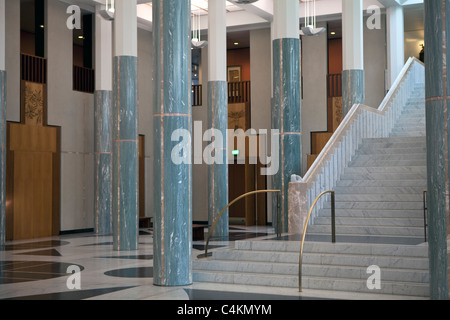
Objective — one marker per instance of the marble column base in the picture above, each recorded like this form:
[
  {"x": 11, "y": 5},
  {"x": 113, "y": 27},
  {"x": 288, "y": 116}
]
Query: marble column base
[
  {"x": 2, "y": 158},
  {"x": 218, "y": 172},
  {"x": 352, "y": 89},
  {"x": 103, "y": 162},
  {"x": 298, "y": 207},
  {"x": 125, "y": 199}
]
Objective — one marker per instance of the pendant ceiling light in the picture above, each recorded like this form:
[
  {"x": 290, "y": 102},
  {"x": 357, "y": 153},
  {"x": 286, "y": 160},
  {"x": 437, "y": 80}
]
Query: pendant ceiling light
[
  {"x": 196, "y": 33},
  {"x": 107, "y": 12},
  {"x": 310, "y": 28}
]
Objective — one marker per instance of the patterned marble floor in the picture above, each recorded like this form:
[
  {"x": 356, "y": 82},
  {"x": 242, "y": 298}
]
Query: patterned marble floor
[{"x": 39, "y": 270}]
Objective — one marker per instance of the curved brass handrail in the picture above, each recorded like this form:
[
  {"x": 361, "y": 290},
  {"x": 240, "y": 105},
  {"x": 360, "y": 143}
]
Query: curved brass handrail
[
  {"x": 229, "y": 205},
  {"x": 425, "y": 212},
  {"x": 333, "y": 230}
]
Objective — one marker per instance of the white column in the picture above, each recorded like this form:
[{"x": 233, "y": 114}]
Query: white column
[
  {"x": 2, "y": 35},
  {"x": 217, "y": 40},
  {"x": 352, "y": 35},
  {"x": 286, "y": 19},
  {"x": 395, "y": 42},
  {"x": 125, "y": 28},
  {"x": 103, "y": 53}
]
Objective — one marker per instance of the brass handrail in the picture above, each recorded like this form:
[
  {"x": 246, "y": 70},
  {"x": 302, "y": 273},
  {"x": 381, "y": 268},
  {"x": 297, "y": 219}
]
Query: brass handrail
[
  {"x": 229, "y": 205},
  {"x": 425, "y": 211},
  {"x": 333, "y": 230}
]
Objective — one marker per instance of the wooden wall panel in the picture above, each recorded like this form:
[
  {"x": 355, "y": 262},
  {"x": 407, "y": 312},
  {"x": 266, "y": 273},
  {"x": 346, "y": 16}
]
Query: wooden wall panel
[
  {"x": 33, "y": 180},
  {"x": 32, "y": 195}
]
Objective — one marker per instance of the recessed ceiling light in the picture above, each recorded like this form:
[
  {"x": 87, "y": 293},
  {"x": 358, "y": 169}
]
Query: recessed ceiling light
[
  {"x": 236, "y": 43},
  {"x": 332, "y": 33},
  {"x": 42, "y": 26},
  {"x": 80, "y": 37}
]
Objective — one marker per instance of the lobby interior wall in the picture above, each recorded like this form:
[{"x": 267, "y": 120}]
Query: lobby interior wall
[
  {"x": 13, "y": 59},
  {"x": 145, "y": 82},
  {"x": 200, "y": 171},
  {"x": 314, "y": 103},
  {"x": 261, "y": 87},
  {"x": 74, "y": 113},
  {"x": 375, "y": 63}
]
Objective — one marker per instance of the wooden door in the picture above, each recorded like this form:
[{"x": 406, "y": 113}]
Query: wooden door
[
  {"x": 33, "y": 170},
  {"x": 32, "y": 194}
]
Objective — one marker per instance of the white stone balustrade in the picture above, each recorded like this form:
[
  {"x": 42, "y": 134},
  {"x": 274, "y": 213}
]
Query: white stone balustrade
[{"x": 361, "y": 122}]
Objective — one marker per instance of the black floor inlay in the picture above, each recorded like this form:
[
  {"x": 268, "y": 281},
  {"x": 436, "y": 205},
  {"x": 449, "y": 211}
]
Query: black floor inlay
[
  {"x": 140, "y": 257},
  {"x": 234, "y": 236},
  {"x": 201, "y": 247},
  {"x": 26, "y": 271},
  {"x": 35, "y": 245},
  {"x": 195, "y": 294},
  {"x": 98, "y": 244},
  {"x": 143, "y": 272},
  {"x": 72, "y": 295},
  {"x": 48, "y": 253}
]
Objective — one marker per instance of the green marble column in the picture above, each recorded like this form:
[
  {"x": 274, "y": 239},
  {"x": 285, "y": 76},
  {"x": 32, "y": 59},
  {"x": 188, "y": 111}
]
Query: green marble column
[
  {"x": 218, "y": 170},
  {"x": 172, "y": 240},
  {"x": 352, "y": 89},
  {"x": 286, "y": 118},
  {"x": 125, "y": 198},
  {"x": 437, "y": 37},
  {"x": 103, "y": 162}
]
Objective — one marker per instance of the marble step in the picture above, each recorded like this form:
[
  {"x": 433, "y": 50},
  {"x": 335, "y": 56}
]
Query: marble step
[
  {"x": 343, "y": 259},
  {"x": 384, "y": 176},
  {"x": 411, "y": 122},
  {"x": 420, "y": 184},
  {"x": 349, "y": 272},
  {"x": 419, "y": 251},
  {"x": 366, "y": 150},
  {"x": 376, "y": 205},
  {"x": 407, "y": 139},
  {"x": 408, "y": 131},
  {"x": 317, "y": 283},
  {"x": 406, "y": 134},
  {"x": 390, "y": 157},
  {"x": 373, "y": 213},
  {"x": 378, "y": 190},
  {"x": 369, "y": 230},
  {"x": 420, "y": 169},
  {"x": 371, "y": 221},
  {"x": 391, "y": 145},
  {"x": 363, "y": 197},
  {"x": 387, "y": 163}
]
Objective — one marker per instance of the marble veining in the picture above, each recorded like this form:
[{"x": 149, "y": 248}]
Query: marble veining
[
  {"x": 172, "y": 111},
  {"x": 125, "y": 191},
  {"x": 286, "y": 117},
  {"x": 103, "y": 162}
]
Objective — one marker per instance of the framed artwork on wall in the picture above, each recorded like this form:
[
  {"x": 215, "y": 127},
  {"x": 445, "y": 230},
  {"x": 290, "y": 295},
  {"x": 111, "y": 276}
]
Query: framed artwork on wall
[{"x": 234, "y": 74}]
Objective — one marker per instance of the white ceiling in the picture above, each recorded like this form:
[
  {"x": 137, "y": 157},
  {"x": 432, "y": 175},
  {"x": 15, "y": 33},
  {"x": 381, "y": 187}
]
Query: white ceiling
[{"x": 259, "y": 14}]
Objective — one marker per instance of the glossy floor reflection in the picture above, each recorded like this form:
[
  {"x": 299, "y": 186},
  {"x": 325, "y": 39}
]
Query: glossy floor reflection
[{"x": 39, "y": 270}]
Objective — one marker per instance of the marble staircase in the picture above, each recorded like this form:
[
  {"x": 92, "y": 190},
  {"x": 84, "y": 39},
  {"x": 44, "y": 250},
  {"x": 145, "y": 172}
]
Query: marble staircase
[
  {"x": 326, "y": 266},
  {"x": 380, "y": 221},
  {"x": 381, "y": 191}
]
